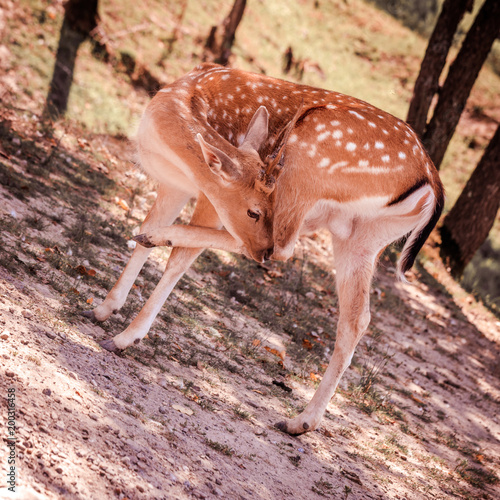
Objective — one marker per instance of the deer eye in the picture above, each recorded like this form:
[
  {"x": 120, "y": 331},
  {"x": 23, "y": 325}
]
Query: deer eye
[{"x": 253, "y": 215}]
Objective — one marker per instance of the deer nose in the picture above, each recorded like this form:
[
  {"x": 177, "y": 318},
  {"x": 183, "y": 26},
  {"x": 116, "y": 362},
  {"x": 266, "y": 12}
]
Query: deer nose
[{"x": 268, "y": 253}]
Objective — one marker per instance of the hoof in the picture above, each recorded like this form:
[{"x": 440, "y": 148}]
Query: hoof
[
  {"x": 88, "y": 314},
  {"x": 110, "y": 346},
  {"x": 143, "y": 240},
  {"x": 281, "y": 426}
]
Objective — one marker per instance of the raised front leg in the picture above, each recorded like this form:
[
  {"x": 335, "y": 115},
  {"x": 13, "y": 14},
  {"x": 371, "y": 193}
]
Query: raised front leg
[
  {"x": 354, "y": 275},
  {"x": 180, "y": 260},
  {"x": 164, "y": 211},
  {"x": 190, "y": 237}
]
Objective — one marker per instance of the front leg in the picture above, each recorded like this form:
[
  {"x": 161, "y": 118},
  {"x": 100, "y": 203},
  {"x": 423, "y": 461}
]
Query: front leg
[
  {"x": 178, "y": 263},
  {"x": 164, "y": 211},
  {"x": 190, "y": 237}
]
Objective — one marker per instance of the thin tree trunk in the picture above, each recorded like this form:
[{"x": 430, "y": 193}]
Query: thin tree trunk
[
  {"x": 220, "y": 44},
  {"x": 427, "y": 83},
  {"x": 80, "y": 18},
  {"x": 467, "y": 225},
  {"x": 461, "y": 77}
]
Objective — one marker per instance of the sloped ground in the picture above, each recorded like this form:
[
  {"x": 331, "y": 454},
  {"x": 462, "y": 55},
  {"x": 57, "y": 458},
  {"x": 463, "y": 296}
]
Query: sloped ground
[{"x": 189, "y": 413}]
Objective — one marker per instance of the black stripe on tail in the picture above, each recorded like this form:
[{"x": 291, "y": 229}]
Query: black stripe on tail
[
  {"x": 419, "y": 241},
  {"x": 422, "y": 182}
]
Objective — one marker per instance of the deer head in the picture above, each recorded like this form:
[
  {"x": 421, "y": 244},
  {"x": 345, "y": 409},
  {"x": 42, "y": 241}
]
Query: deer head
[{"x": 246, "y": 183}]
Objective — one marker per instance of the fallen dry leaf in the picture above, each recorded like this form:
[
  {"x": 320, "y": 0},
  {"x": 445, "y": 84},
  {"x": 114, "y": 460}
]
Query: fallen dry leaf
[
  {"x": 275, "y": 273},
  {"x": 84, "y": 271},
  {"x": 279, "y": 354},
  {"x": 307, "y": 344},
  {"x": 122, "y": 203}
]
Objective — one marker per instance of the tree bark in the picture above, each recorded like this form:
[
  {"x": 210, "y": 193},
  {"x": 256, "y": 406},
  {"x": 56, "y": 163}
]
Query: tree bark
[
  {"x": 220, "y": 44},
  {"x": 461, "y": 77},
  {"x": 427, "y": 83},
  {"x": 467, "y": 225},
  {"x": 80, "y": 18}
]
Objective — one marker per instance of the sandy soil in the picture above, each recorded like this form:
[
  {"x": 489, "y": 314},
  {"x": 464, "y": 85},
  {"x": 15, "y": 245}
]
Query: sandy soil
[{"x": 189, "y": 413}]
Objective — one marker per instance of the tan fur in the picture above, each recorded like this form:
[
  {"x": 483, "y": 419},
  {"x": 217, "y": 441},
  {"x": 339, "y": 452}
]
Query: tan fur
[{"x": 299, "y": 157}]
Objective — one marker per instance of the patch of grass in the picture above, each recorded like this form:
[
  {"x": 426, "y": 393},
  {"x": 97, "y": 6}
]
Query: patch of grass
[
  {"x": 322, "y": 488},
  {"x": 241, "y": 413},
  {"x": 371, "y": 369},
  {"x": 346, "y": 432},
  {"x": 476, "y": 476},
  {"x": 221, "y": 448},
  {"x": 373, "y": 401}
]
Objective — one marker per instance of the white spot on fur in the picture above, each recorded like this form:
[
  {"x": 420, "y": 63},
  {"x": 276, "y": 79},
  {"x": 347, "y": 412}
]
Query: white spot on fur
[
  {"x": 312, "y": 152},
  {"x": 402, "y": 155},
  {"x": 337, "y": 134},
  {"x": 369, "y": 170},
  {"x": 337, "y": 165},
  {"x": 357, "y": 115},
  {"x": 324, "y": 163},
  {"x": 335, "y": 123},
  {"x": 372, "y": 124},
  {"x": 351, "y": 146},
  {"x": 293, "y": 138},
  {"x": 386, "y": 158},
  {"x": 320, "y": 127},
  {"x": 323, "y": 136},
  {"x": 366, "y": 146},
  {"x": 379, "y": 145}
]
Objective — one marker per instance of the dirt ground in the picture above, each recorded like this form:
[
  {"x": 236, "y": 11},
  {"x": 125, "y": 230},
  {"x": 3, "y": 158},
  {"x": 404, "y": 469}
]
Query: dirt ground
[{"x": 189, "y": 413}]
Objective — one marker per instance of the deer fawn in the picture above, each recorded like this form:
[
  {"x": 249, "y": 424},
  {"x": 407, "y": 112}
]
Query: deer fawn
[{"x": 271, "y": 160}]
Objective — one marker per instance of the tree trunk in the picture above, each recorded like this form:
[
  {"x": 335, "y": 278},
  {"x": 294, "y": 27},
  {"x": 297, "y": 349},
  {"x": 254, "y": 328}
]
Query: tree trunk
[
  {"x": 80, "y": 18},
  {"x": 461, "y": 77},
  {"x": 220, "y": 44},
  {"x": 427, "y": 83},
  {"x": 467, "y": 226}
]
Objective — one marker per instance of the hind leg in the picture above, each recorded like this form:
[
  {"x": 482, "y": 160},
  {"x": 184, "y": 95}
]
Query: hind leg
[
  {"x": 354, "y": 273},
  {"x": 164, "y": 211}
]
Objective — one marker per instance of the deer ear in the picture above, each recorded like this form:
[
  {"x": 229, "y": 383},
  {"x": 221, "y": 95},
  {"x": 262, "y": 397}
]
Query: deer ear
[
  {"x": 276, "y": 158},
  {"x": 258, "y": 130},
  {"x": 218, "y": 161}
]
